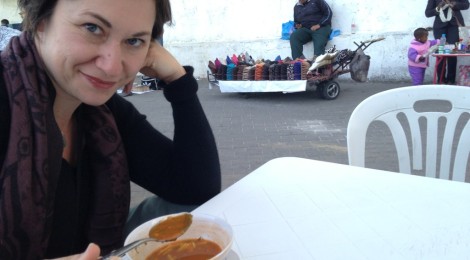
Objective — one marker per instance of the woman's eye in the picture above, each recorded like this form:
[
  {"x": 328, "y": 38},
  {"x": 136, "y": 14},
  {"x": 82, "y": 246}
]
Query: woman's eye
[
  {"x": 135, "y": 42},
  {"x": 92, "y": 28}
]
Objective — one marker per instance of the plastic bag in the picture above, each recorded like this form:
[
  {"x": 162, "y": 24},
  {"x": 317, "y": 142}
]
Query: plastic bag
[
  {"x": 287, "y": 30},
  {"x": 359, "y": 66}
]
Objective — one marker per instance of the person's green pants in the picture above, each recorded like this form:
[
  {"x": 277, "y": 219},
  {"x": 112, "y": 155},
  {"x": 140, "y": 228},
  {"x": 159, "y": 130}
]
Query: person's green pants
[{"x": 303, "y": 35}]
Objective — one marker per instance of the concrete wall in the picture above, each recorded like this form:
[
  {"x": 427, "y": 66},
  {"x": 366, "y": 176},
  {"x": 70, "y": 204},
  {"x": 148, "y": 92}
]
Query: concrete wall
[
  {"x": 206, "y": 29},
  {"x": 9, "y": 10}
]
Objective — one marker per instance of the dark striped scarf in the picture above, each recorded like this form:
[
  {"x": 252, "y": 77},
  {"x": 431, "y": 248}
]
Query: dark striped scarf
[{"x": 30, "y": 171}]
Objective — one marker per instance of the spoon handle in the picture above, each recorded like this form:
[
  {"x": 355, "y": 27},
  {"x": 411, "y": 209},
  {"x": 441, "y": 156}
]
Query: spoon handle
[{"x": 123, "y": 250}]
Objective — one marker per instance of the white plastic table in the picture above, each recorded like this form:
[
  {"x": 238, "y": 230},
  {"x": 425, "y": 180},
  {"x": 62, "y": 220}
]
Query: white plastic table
[{"x": 293, "y": 208}]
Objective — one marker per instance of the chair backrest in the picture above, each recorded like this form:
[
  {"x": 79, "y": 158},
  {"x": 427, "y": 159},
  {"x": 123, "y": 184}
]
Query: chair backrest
[{"x": 391, "y": 106}]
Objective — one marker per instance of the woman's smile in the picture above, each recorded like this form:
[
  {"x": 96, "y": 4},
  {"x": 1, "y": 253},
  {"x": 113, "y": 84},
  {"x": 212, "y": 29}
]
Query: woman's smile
[{"x": 99, "y": 83}]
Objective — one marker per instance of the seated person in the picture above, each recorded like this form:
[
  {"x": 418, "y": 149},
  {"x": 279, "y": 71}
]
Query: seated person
[
  {"x": 5, "y": 22},
  {"x": 313, "y": 23}
]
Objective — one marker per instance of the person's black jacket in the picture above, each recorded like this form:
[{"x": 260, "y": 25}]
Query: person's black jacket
[
  {"x": 313, "y": 12},
  {"x": 457, "y": 15}
]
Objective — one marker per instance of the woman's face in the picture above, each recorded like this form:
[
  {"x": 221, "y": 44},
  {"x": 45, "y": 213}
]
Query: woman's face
[{"x": 93, "y": 47}]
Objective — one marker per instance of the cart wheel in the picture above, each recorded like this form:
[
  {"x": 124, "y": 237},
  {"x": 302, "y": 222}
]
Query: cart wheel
[{"x": 330, "y": 90}]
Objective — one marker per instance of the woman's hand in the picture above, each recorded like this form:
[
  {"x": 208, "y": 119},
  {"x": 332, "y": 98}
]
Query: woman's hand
[
  {"x": 91, "y": 253},
  {"x": 440, "y": 5},
  {"x": 160, "y": 64}
]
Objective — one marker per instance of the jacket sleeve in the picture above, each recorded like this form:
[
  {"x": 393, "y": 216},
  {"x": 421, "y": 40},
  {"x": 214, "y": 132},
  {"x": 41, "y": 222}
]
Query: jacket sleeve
[
  {"x": 183, "y": 170},
  {"x": 327, "y": 13},
  {"x": 461, "y": 5},
  {"x": 434, "y": 42},
  {"x": 413, "y": 55},
  {"x": 431, "y": 9},
  {"x": 296, "y": 16}
]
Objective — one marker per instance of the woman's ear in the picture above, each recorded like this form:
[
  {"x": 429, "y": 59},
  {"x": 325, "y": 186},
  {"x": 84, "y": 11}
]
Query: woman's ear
[
  {"x": 40, "y": 29},
  {"x": 41, "y": 25}
]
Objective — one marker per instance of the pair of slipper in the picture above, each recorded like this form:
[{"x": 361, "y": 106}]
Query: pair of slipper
[{"x": 323, "y": 60}]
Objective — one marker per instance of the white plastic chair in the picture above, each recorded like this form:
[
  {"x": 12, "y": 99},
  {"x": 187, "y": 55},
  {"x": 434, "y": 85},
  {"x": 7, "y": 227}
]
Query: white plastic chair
[{"x": 387, "y": 105}]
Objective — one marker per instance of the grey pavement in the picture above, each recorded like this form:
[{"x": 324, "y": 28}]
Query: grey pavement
[{"x": 251, "y": 131}]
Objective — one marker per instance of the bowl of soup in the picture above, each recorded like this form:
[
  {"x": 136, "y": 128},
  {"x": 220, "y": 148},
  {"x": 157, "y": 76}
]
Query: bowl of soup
[{"x": 208, "y": 237}]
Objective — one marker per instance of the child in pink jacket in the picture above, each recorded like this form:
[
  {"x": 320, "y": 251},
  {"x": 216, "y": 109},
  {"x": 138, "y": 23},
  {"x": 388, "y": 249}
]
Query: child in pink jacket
[{"x": 418, "y": 55}]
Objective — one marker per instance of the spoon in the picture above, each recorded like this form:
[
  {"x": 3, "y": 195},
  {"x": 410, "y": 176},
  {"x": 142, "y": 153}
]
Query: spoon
[{"x": 167, "y": 229}]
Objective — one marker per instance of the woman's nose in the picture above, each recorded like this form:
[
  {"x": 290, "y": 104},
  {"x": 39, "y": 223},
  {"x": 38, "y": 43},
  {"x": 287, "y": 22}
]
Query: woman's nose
[{"x": 110, "y": 60}]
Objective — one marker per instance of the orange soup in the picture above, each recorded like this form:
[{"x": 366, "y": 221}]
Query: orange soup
[
  {"x": 186, "y": 249},
  {"x": 171, "y": 227}
]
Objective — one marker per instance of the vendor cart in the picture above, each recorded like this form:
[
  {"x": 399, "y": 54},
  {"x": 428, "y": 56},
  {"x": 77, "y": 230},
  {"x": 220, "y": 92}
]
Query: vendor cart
[{"x": 321, "y": 74}]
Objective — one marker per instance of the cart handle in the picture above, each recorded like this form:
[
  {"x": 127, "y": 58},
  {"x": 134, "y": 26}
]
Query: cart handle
[
  {"x": 374, "y": 40},
  {"x": 366, "y": 43},
  {"x": 369, "y": 42}
]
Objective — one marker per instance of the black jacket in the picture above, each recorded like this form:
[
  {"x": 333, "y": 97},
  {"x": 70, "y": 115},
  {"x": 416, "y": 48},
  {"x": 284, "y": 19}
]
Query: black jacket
[
  {"x": 184, "y": 170},
  {"x": 313, "y": 12}
]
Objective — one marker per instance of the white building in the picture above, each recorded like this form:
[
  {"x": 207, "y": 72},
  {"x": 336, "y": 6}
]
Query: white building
[{"x": 204, "y": 30}]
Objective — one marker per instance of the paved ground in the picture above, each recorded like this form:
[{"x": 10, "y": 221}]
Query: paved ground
[{"x": 251, "y": 131}]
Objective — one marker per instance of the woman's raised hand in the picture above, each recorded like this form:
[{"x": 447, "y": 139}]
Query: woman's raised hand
[{"x": 161, "y": 64}]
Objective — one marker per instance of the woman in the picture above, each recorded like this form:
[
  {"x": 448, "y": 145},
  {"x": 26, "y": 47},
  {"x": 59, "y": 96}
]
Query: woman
[
  {"x": 447, "y": 17},
  {"x": 69, "y": 146}
]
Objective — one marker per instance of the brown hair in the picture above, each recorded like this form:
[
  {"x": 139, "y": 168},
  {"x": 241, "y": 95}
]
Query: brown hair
[{"x": 37, "y": 10}]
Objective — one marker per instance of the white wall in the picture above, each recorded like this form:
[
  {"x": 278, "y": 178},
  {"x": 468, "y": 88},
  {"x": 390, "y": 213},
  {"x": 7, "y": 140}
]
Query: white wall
[
  {"x": 204, "y": 30},
  {"x": 9, "y": 10},
  {"x": 207, "y": 29}
]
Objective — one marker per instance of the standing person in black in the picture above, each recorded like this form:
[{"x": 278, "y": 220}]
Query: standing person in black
[{"x": 447, "y": 20}]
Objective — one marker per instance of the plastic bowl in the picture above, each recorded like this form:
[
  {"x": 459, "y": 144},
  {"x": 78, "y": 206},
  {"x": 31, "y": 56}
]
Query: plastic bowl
[{"x": 203, "y": 226}]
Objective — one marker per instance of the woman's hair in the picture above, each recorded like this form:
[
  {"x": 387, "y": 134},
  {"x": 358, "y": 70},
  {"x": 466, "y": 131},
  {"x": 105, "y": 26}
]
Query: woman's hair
[{"x": 37, "y": 10}]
